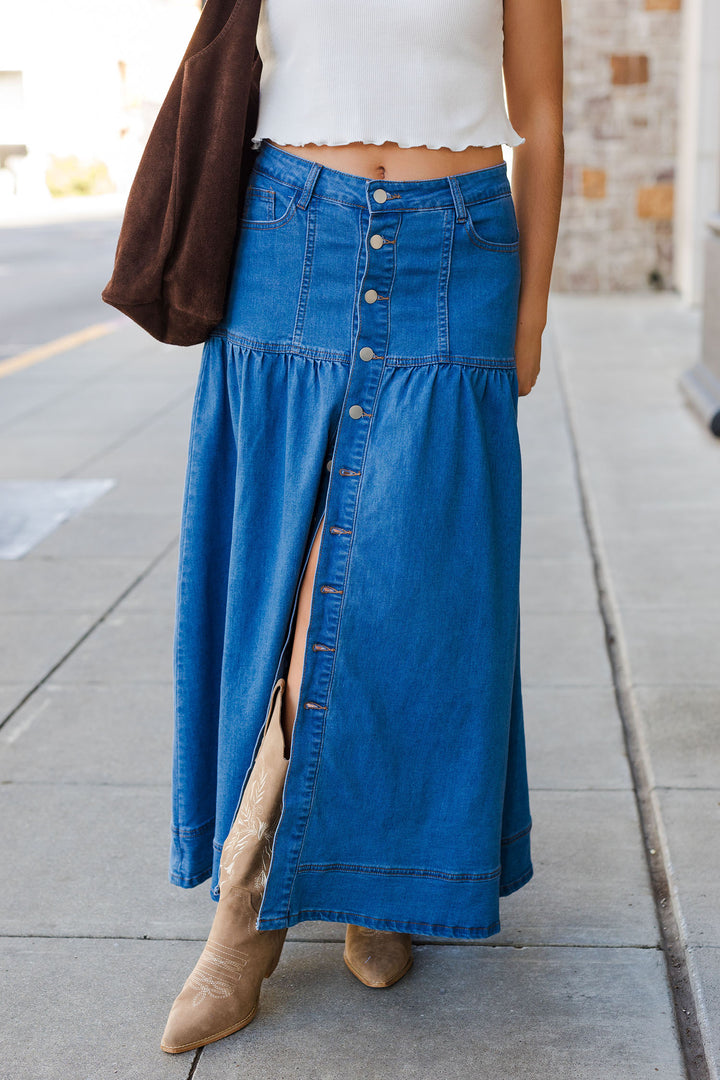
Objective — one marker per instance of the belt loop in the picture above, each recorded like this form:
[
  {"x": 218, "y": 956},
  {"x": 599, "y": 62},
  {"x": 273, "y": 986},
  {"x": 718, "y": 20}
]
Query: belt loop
[
  {"x": 307, "y": 191},
  {"x": 460, "y": 211}
]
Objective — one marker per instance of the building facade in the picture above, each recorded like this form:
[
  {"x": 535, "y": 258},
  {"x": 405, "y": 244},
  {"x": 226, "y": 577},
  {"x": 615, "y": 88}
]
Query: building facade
[{"x": 622, "y": 71}]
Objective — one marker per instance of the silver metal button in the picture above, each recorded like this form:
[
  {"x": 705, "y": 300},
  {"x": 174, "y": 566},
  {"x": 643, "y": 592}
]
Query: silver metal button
[
  {"x": 376, "y": 240},
  {"x": 328, "y": 464},
  {"x": 380, "y": 195},
  {"x": 356, "y": 411},
  {"x": 366, "y": 353},
  {"x": 371, "y": 296}
]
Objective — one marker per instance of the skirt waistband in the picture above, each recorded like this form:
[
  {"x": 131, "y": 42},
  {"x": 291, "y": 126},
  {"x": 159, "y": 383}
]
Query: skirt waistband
[{"x": 311, "y": 178}]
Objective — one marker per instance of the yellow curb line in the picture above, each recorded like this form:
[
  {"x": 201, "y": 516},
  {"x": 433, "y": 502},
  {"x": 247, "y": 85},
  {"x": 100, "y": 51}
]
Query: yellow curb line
[{"x": 59, "y": 345}]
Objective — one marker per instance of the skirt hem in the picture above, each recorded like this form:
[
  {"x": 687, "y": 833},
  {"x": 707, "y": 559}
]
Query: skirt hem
[
  {"x": 189, "y": 882},
  {"x": 517, "y": 883},
  {"x": 403, "y": 926}
]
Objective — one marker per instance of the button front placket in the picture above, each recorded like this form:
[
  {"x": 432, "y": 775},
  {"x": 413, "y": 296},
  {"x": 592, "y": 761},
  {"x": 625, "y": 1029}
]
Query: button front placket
[{"x": 343, "y": 515}]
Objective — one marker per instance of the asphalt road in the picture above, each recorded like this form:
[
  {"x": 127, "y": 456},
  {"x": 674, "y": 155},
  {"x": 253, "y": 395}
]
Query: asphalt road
[{"x": 51, "y": 277}]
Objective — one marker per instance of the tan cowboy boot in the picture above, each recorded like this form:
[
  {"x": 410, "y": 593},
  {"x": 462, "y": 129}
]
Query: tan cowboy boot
[
  {"x": 221, "y": 995},
  {"x": 377, "y": 957}
]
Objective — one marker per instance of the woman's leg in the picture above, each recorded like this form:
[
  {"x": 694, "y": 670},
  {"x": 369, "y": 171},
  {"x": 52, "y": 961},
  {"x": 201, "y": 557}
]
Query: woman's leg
[{"x": 294, "y": 675}]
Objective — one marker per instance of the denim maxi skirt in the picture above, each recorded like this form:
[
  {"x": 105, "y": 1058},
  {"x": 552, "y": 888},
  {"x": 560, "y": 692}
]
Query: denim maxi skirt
[{"x": 364, "y": 370}]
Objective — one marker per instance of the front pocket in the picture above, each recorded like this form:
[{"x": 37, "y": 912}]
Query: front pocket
[
  {"x": 268, "y": 202},
  {"x": 492, "y": 224},
  {"x": 259, "y": 204}
]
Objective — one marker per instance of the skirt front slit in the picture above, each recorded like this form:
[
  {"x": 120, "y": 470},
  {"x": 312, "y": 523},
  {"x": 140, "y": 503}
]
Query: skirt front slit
[{"x": 364, "y": 371}]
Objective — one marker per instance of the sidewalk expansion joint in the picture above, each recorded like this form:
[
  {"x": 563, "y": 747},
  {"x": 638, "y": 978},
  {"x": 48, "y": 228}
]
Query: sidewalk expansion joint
[
  {"x": 133, "y": 785},
  {"x": 667, "y": 908},
  {"x": 419, "y": 940},
  {"x": 196, "y": 1059}
]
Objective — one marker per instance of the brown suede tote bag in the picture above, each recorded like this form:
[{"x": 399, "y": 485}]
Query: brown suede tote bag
[{"x": 174, "y": 254}]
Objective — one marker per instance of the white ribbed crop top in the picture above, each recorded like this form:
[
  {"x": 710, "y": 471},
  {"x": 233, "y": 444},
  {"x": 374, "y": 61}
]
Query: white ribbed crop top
[{"x": 414, "y": 72}]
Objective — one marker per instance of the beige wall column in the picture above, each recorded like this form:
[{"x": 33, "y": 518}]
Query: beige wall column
[
  {"x": 701, "y": 383},
  {"x": 698, "y": 220},
  {"x": 698, "y": 149}
]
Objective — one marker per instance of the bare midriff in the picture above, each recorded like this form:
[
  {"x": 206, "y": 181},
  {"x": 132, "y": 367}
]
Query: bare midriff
[{"x": 388, "y": 161}]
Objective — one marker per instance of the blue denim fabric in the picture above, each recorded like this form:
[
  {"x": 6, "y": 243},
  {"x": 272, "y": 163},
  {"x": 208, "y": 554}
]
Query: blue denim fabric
[{"x": 365, "y": 369}]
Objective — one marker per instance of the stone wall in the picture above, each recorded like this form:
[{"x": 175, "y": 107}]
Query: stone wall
[{"x": 622, "y": 63}]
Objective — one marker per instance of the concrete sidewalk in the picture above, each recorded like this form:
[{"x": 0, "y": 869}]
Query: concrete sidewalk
[
  {"x": 619, "y": 533},
  {"x": 649, "y": 474}
]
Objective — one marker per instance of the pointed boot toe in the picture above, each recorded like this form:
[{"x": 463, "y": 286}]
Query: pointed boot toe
[
  {"x": 222, "y": 993},
  {"x": 198, "y": 1016},
  {"x": 377, "y": 957}
]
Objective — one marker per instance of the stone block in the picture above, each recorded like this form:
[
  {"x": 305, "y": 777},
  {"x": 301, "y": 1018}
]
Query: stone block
[
  {"x": 655, "y": 201},
  {"x": 594, "y": 183},
  {"x": 629, "y": 68}
]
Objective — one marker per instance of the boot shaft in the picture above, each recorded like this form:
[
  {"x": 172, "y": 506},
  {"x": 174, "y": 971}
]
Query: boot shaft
[{"x": 246, "y": 853}]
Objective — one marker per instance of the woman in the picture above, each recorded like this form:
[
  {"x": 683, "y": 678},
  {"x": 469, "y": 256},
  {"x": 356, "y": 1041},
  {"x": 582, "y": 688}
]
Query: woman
[{"x": 349, "y": 723}]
